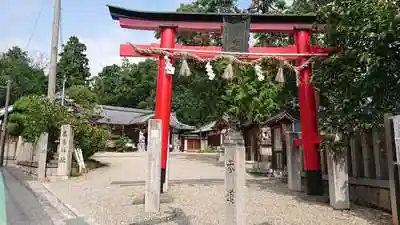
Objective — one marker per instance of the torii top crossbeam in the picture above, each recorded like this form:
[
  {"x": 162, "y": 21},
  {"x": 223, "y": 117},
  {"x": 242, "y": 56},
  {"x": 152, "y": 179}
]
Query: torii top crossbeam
[
  {"x": 212, "y": 22},
  {"x": 169, "y": 23},
  {"x": 208, "y": 22}
]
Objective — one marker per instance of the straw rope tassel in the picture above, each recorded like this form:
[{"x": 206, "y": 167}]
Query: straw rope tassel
[
  {"x": 189, "y": 54},
  {"x": 169, "y": 68},
  {"x": 297, "y": 78},
  {"x": 185, "y": 70},
  {"x": 259, "y": 72},
  {"x": 280, "y": 76},
  {"x": 210, "y": 71},
  {"x": 228, "y": 73}
]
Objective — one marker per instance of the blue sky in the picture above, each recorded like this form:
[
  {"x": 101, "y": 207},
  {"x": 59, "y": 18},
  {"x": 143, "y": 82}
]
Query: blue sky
[{"x": 87, "y": 19}]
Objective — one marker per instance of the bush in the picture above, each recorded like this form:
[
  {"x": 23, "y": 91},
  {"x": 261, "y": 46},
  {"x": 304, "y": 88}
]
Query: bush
[
  {"x": 82, "y": 96},
  {"x": 209, "y": 149},
  {"x": 34, "y": 115},
  {"x": 120, "y": 144},
  {"x": 89, "y": 137}
]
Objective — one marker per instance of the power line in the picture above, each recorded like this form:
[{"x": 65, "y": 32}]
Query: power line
[
  {"x": 61, "y": 26},
  {"x": 35, "y": 25}
]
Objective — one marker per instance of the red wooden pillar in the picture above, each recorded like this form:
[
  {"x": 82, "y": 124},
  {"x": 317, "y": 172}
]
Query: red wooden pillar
[
  {"x": 308, "y": 119},
  {"x": 164, "y": 97}
]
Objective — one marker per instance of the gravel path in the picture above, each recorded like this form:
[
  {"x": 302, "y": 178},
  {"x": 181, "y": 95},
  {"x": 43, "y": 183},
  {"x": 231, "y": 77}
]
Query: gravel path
[{"x": 107, "y": 195}]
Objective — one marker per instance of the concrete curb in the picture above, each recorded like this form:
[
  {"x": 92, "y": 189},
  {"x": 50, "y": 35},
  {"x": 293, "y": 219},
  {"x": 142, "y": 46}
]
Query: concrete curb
[
  {"x": 85, "y": 219},
  {"x": 3, "y": 207}
]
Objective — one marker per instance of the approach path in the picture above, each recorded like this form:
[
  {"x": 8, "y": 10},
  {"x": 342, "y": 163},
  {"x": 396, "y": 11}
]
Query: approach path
[{"x": 106, "y": 195}]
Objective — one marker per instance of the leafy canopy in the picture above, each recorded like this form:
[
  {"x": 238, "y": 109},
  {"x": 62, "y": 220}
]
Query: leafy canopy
[
  {"x": 16, "y": 65},
  {"x": 73, "y": 64},
  {"x": 33, "y": 115},
  {"x": 361, "y": 84}
]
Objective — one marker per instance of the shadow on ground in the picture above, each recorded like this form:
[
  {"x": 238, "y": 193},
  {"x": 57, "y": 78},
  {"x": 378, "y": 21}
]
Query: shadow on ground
[
  {"x": 175, "y": 214},
  {"x": 373, "y": 216},
  {"x": 208, "y": 158},
  {"x": 112, "y": 154},
  {"x": 277, "y": 185},
  {"x": 260, "y": 182},
  {"x": 92, "y": 164}
]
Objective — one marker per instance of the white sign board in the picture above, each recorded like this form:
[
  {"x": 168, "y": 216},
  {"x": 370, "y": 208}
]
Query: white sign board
[
  {"x": 396, "y": 131},
  {"x": 65, "y": 151}
]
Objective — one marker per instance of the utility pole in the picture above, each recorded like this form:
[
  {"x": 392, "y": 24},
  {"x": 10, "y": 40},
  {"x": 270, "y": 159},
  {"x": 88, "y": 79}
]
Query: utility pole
[
  {"x": 63, "y": 91},
  {"x": 51, "y": 90},
  {"x": 4, "y": 124}
]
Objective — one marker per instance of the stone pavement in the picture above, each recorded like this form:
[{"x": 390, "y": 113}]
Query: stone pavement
[{"x": 112, "y": 195}]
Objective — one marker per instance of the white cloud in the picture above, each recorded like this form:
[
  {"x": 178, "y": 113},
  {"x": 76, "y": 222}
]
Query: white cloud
[
  {"x": 35, "y": 49},
  {"x": 101, "y": 50},
  {"x": 104, "y": 50},
  {"x": 8, "y": 43}
]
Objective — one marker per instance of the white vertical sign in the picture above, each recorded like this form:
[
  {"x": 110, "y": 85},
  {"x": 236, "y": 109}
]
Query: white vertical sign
[
  {"x": 396, "y": 129},
  {"x": 235, "y": 180},
  {"x": 65, "y": 151},
  {"x": 153, "y": 171}
]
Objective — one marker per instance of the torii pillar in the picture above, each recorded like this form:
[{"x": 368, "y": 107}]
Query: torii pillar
[
  {"x": 308, "y": 118},
  {"x": 164, "y": 98}
]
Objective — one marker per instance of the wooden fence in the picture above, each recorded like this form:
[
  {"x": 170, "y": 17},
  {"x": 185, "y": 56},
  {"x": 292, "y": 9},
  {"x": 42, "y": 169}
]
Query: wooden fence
[
  {"x": 366, "y": 157},
  {"x": 367, "y": 165}
]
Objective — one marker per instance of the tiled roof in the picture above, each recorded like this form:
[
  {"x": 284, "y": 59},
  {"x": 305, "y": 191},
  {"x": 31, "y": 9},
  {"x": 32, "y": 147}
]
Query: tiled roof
[
  {"x": 119, "y": 115},
  {"x": 210, "y": 126},
  {"x": 205, "y": 128},
  {"x": 128, "y": 116},
  {"x": 278, "y": 117}
]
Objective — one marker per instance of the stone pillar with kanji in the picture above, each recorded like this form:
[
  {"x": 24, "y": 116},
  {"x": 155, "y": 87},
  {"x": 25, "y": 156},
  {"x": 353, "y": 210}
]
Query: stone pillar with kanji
[
  {"x": 235, "y": 176},
  {"x": 65, "y": 151}
]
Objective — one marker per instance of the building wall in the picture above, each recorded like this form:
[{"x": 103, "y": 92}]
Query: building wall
[
  {"x": 214, "y": 140},
  {"x": 193, "y": 145},
  {"x": 203, "y": 144}
]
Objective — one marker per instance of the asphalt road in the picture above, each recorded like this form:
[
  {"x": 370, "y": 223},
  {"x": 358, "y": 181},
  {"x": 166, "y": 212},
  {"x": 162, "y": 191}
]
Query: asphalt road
[{"x": 19, "y": 205}]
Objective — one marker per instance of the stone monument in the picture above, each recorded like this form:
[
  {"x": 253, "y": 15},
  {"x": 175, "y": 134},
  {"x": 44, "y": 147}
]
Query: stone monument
[
  {"x": 153, "y": 170},
  {"x": 20, "y": 149},
  {"x": 65, "y": 151},
  {"x": 141, "y": 142},
  {"x": 236, "y": 39},
  {"x": 176, "y": 143},
  {"x": 41, "y": 151},
  {"x": 235, "y": 177}
]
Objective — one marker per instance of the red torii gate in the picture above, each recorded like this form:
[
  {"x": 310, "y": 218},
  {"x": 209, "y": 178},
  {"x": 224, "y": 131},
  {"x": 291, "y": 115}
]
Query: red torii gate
[{"x": 169, "y": 23}]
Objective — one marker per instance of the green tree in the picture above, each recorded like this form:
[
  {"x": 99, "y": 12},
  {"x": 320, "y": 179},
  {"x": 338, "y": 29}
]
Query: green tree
[
  {"x": 73, "y": 64},
  {"x": 361, "y": 83},
  {"x": 145, "y": 91},
  {"x": 130, "y": 85},
  {"x": 82, "y": 96},
  {"x": 105, "y": 84},
  {"x": 33, "y": 115},
  {"x": 245, "y": 97},
  {"x": 196, "y": 99},
  {"x": 27, "y": 79}
]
